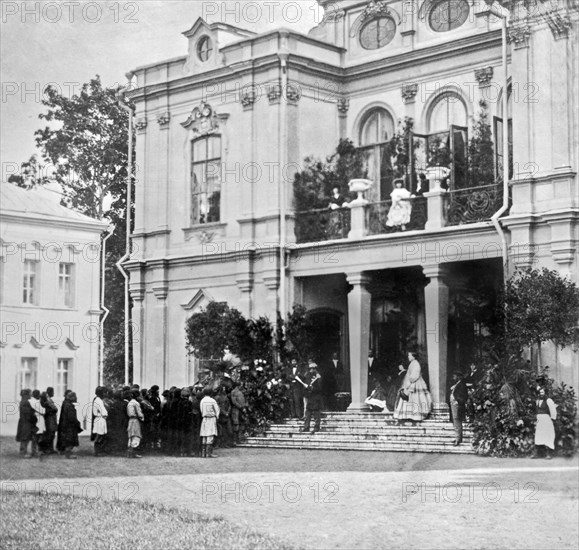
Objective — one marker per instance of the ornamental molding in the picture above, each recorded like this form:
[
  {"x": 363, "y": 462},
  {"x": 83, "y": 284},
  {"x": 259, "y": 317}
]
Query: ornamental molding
[
  {"x": 343, "y": 104},
  {"x": 293, "y": 94},
  {"x": 200, "y": 297},
  {"x": 375, "y": 9},
  {"x": 205, "y": 237},
  {"x": 163, "y": 119},
  {"x": 203, "y": 120},
  {"x": 409, "y": 92},
  {"x": 484, "y": 76},
  {"x": 519, "y": 36},
  {"x": 274, "y": 93},
  {"x": 141, "y": 125},
  {"x": 248, "y": 99},
  {"x": 161, "y": 291},
  {"x": 71, "y": 345}
]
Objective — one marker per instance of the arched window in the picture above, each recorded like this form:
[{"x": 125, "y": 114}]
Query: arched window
[
  {"x": 448, "y": 137},
  {"x": 498, "y": 137},
  {"x": 376, "y": 130},
  {"x": 206, "y": 180},
  {"x": 448, "y": 110}
]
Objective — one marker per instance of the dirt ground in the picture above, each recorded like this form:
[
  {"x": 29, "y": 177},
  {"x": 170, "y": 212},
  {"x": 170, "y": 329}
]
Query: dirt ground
[{"x": 329, "y": 499}]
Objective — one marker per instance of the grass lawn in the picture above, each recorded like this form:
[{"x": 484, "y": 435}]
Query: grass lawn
[{"x": 62, "y": 523}]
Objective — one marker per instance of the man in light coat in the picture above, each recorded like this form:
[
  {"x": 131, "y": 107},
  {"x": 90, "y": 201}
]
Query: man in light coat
[
  {"x": 210, "y": 414},
  {"x": 39, "y": 410},
  {"x": 99, "y": 422}
]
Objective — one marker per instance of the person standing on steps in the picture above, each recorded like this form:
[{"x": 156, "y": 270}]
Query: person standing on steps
[
  {"x": 314, "y": 391},
  {"x": 458, "y": 398},
  {"x": 416, "y": 401},
  {"x": 545, "y": 429}
]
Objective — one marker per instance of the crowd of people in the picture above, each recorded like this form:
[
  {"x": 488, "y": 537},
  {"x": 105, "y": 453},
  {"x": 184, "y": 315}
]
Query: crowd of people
[
  {"x": 130, "y": 420},
  {"x": 225, "y": 406},
  {"x": 219, "y": 410}
]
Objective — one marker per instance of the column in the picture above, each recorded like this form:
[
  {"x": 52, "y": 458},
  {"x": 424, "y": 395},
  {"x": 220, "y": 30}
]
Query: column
[
  {"x": 436, "y": 305},
  {"x": 359, "y": 302}
]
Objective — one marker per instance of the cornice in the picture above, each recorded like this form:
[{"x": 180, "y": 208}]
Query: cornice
[
  {"x": 95, "y": 226},
  {"x": 308, "y": 65}
]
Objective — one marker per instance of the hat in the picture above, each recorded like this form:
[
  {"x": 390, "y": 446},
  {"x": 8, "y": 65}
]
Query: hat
[{"x": 313, "y": 365}]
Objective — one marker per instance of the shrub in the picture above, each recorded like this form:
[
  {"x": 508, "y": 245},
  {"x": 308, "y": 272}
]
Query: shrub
[{"x": 504, "y": 411}]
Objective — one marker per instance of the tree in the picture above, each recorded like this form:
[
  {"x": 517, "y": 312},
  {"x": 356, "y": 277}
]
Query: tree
[
  {"x": 298, "y": 334},
  {"x": 540, "y": 306},
  {"x": 85, "y": 145},
  {"x": 217, "y": 328},
  {"x": 313, "y": 185},
  {"x": 32, "y": 173}
]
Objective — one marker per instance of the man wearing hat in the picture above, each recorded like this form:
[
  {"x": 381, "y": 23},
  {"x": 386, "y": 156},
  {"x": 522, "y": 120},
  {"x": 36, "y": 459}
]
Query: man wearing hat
[
  {"x": 457, "y": 400},
  {"x": 314, "y": 392}
]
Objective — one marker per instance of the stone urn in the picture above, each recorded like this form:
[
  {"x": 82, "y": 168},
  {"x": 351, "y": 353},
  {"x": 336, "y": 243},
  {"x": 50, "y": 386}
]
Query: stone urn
[
  {"x": 359, "y": 186},
  {"x": 435, "y": 174}
]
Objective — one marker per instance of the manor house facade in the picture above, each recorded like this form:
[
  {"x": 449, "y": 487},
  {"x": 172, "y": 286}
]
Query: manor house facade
[{"x": 222, "y": 130}]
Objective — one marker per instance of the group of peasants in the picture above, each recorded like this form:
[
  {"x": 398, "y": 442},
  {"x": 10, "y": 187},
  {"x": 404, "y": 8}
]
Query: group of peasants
[{"x": 131, "y": 420}]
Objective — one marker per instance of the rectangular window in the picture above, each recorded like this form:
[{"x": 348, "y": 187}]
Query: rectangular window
[
  {"x": 30, "y": 283},
  {"x": 62, "y": 376},
  {"x": 206, "y": 180},
  {"x": 28, "y": 373},
  {"x": 65, "y": 285}
]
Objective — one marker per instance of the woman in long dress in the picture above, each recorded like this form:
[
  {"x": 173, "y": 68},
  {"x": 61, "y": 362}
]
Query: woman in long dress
[
  {"x": 419, "y": 402},
  {"x": 401, "y": 207}
]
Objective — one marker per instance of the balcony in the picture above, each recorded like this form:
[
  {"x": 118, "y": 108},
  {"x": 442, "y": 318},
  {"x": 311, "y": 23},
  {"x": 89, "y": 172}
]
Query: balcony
[{"x": 440, "y": 208}]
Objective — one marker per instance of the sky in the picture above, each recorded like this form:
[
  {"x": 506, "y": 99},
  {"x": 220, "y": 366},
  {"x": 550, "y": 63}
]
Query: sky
[{"x": 66, "y": 43}]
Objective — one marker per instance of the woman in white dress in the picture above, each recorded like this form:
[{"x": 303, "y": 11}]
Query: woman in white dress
[
  {"x": 401, "y": 207},
  {"x": 417, "y": 406},
  {"x": 545, "y": 429}
]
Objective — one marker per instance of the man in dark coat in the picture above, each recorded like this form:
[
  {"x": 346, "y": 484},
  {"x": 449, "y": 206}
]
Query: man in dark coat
[
  {"x": 51, "y": 411},
  {"x": 314, "y": 391},
  {"x": 224, "y": 426},
  {"x": 68, "y": 426},
  {"x": 184, "y": 423},
  {"x": 26, "y": 424},
  {"x": 117, "y": 423},
  {"x": 457, "y": 400},
  {"x": 155, "y": 401}
]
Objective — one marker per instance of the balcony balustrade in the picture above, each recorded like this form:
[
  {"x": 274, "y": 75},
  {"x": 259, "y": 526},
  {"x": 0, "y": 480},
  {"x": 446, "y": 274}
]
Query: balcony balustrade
[{"x": 435, "y": 210}]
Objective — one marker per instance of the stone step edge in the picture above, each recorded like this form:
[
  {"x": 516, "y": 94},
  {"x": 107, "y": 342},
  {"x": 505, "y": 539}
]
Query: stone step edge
[{"x": 449, "y": 450}]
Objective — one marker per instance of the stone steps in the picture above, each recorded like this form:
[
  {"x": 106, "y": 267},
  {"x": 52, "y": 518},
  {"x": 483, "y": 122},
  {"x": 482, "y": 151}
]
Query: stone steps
[
  {"x": 366, "y": 432},
  {"x": 314, "y": 442}
]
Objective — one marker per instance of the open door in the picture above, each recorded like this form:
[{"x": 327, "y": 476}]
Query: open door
[{"x": 459, "y": 156}]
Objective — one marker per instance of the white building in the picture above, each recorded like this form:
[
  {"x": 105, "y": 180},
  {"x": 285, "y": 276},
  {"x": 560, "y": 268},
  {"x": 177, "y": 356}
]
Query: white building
[
  {"x": 222, "y": 130},
  {"x": 49, "y": 296}
]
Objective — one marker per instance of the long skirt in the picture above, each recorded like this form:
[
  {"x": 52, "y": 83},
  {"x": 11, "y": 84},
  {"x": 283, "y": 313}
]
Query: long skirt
[
  {"x": 418, "y": 405},
  {"x": 134, "y": 428},
  {"x": 545, "y": 431},
  {"x": 208, "y": 426}
]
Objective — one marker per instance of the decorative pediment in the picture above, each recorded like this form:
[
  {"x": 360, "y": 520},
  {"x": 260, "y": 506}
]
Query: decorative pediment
[
  {"x": 35, "y": 343},
  {"x": 200, "y": 299},
  {"x": 204, "y": 120},
  {"x": 71, "y": 345}
]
